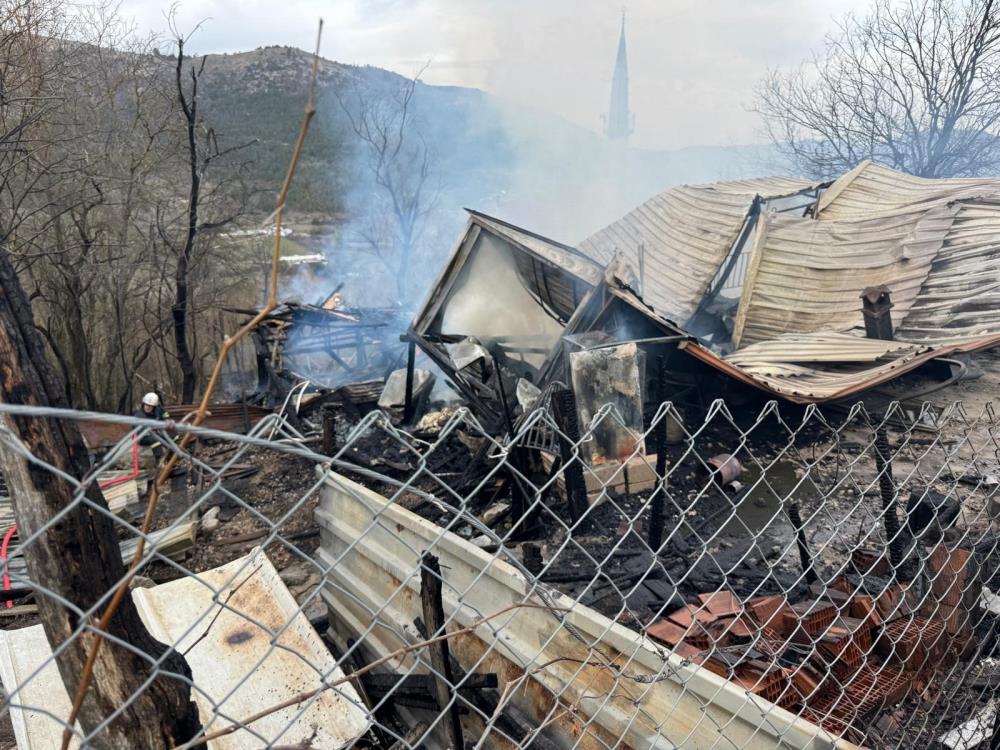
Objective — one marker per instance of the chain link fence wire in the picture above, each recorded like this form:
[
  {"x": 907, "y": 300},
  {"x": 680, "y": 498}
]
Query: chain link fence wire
[{"x": 783, "y": 578}]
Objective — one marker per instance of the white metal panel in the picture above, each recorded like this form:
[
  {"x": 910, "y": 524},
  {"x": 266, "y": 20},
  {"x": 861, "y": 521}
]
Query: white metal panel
[
  {"x": 372, "y": 549},
  {"x": 683, "y": 235},
  {"x": 235, "y": 669},
  {"x": 39, "y": 703}
]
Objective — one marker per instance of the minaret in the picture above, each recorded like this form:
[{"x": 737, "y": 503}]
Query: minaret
[{"x": 619, "y": 120}]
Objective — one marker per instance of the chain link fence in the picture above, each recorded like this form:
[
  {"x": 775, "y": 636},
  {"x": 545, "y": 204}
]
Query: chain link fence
[{"x": 723, "y": 578}]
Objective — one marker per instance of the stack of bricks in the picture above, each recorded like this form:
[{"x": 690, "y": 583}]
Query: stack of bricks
[{"x": 862, "y": 652}]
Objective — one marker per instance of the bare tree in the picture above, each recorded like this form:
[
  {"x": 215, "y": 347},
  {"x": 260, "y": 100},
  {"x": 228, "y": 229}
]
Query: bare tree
[
  {"x": 202, "y": 150},
  {"x": 398, "y": 160},
  {"x": 914, "y": 85},
  {"x": 76, "y": 559}
]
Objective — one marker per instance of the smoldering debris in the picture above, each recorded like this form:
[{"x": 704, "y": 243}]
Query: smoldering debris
[{"x": 587, "y": 445}]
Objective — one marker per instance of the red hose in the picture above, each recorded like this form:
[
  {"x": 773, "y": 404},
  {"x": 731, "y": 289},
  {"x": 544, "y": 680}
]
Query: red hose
[
  {"x": 3, "y": 557},
  {"x": 135, "y": 467},
  {"x": 110, "y": 483}
]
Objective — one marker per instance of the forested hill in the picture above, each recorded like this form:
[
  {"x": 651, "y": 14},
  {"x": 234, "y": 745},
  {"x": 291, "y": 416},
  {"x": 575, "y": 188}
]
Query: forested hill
[{"x": 521, "y": 163}]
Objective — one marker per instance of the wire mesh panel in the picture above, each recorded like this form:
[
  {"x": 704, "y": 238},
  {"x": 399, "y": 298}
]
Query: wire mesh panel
[{"x": 781, "y": 578}]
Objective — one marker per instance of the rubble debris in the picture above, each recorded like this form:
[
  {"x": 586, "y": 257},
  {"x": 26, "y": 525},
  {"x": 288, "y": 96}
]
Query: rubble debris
[
  {"x": 326, "y": 346},
  {"x": 433, "y": 422},
  {"x": 210, "y": 521},
  {"x": 973, "y": 733},
  {"x": 610, "y": 375},
  {"x": 394, "y": 395},
  {"x": 859, "y": 330}
]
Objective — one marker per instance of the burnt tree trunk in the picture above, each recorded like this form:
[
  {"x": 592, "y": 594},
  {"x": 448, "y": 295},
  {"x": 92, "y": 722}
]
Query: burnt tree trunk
[
  {"x": 181, "y": 309},
  {"x": 77, "y": 559}
]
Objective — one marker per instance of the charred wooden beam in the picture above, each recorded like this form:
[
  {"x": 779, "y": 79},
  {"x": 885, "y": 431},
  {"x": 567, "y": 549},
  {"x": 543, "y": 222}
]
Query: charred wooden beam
[
  {"x": 432, "y": 607},
  {"x": 887, "y": 489},
  {"x": 656, "y": 509},
  {"x": 565, "y": 413},
  {"x": 408, "y": 405},
  {"x": 418, "y": 690}
]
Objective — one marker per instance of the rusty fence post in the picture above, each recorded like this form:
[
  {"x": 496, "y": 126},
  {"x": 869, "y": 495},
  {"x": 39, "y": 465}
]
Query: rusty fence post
[{"x": 805, "y": 557}]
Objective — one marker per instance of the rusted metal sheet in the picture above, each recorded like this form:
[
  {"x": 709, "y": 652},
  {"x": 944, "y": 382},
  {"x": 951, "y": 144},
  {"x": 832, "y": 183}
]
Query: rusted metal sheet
[
  {"x": 805, "y": 385},
  {"x": 372, "y": 549},
  {"x": 227, "y": 417},
  {"x": 258, "y": 649}
]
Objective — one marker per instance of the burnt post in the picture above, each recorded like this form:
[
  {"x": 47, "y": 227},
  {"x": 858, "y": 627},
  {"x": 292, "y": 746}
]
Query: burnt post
[
  {"x": 444, "y": 679},
  {"x": 533, "y": 558},
  {"x": 329, "y": 416},
  {"x": 564, "y": 411},
  {"x": 876, "y": 304},
  {"x": 408, "y": 405},
  {"x": 887, "y": 488},
  {"x": 76, "y": 559},
  {"x": 245, "y": 412},
  {"x": 656, "y": 508},
  {"x": 805, "y": 557}
]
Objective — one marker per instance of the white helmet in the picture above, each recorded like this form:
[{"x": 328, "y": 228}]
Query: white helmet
[{"x": 151, "y": 399}]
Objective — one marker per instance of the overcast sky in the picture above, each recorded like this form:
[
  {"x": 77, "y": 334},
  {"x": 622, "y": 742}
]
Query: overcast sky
[{"x": 693, "y": 63}]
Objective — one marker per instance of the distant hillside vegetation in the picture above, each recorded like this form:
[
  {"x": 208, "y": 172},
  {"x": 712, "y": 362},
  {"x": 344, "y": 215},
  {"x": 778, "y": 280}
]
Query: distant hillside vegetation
[{"x": 521, "y": 163}]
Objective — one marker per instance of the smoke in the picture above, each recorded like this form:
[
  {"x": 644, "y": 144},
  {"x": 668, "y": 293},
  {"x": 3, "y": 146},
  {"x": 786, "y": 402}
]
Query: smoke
[
  {"x": 527, "y": 167},
  {"x": 490, "y": 303}
]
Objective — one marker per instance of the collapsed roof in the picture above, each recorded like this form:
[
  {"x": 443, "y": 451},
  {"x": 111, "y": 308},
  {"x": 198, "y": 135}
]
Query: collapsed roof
[{"x": 761, "y": 278}]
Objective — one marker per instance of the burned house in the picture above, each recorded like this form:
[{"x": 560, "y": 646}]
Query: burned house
[
  {"x": 325, "y": 349},
  {"x": 767, "y": 282}
]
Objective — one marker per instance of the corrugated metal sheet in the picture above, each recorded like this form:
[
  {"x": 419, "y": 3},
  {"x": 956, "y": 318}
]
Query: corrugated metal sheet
[
  {"x": 960, "y": 298},
  {"x": 934, "y": 243},
  {"x": 372, "y": 548},
  {"x": 684, "y": 234},
  {"x": 820, "y": 366},
  {"x": 870, "y": 189},
  {"x": 808, "y": 275},
  {"x": 844, "y": 366}
]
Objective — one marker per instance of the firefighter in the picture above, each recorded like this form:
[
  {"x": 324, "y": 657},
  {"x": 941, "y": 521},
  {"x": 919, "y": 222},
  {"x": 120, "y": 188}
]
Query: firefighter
[{"x": 151, "y": 409}]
